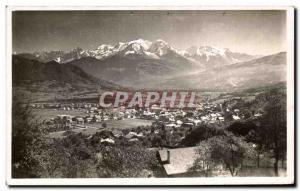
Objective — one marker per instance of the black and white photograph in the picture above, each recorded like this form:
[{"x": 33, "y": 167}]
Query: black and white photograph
[{"x": 150, "y": 96}]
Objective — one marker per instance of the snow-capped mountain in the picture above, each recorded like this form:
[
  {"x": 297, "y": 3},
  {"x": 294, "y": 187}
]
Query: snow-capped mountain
[
  {"x": 213, "y": 57},
  {"x": 144, "y": 64},
  {"x": 135, "y": 62},
  {"x": 103, "y": 50},
  {"x": 153, "y": 50},
  {"x": 205, "y": 56},
  {"x": 258, "y": 72},
  {"x": 133, "y": 47},
  {"x": 58, "y": 56}
]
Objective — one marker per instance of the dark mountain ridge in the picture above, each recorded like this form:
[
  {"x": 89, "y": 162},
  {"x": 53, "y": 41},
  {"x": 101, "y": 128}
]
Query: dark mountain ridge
[{"x": 32, "y": 71}]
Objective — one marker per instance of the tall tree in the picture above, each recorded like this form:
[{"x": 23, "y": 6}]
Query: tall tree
[
  {"x": 227, "y": 150},
  {"x": 126, "y": 161},
  {"x": 274, "y": 125},
  {"x": 26, "y": 140}
]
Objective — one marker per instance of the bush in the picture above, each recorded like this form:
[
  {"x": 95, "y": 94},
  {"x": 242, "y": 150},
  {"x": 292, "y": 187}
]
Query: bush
[
  {"x": 126, "y": 161},
  {"x": 241, "y": 127},
  {"x": 104, "y": 125},
  {"x": 27, "y": 137},
  {"x": 200, "y": 133}
]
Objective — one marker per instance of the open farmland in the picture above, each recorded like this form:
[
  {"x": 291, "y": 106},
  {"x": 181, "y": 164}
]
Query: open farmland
[
  {"x": 111, "y": 124},
  {"x": 90, "y": 130},
  {"x": 128, "y": 123},
  {"x": 46, "y": 114},
  {"x": 121, "y": 124}
]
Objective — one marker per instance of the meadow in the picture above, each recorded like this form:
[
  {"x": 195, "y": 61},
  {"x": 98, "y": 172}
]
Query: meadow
[
  {"x": 110, "y": 124},
  {"x": 46, "y": 114}
]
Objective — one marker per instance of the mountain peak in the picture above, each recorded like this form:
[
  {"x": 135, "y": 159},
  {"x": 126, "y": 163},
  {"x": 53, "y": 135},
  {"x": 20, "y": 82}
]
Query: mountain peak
[
  {"x": 141, "y": 43},
  {"x": 210, "y": 50},
  {"x": 160, "y": 47},
  {"x": 215, "y": 56},
  {"x": 104, "y": 46},
  {"x": 161, "y": 41}
]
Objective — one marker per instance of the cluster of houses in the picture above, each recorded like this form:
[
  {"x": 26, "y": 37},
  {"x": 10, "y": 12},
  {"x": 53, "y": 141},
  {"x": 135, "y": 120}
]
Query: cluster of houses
[
  {"x": 64, "y": 106},
  {"x": 93, "y": 115},
  {"x": 170, "y": 119},
  {"x": 177, "y": 162},
  {"x": 206, "y": 112}
]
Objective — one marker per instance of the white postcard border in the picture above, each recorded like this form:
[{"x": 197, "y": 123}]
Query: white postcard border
[{"x": 289, "y": 179}]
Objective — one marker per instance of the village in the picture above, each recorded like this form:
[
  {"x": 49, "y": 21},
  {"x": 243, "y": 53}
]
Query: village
[
  {"x": 172, "y": 119},
  {"x": 161, "y": 129}
]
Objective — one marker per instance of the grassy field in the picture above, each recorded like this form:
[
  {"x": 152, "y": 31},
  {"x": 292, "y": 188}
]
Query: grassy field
[
  {"x": 86, "y": 131},
  {"x": 121, "y": 124},
  {"x": 111, "y": 124},
  {"x": 46, "y": 114},
  {"x": 127, "y": 123}
]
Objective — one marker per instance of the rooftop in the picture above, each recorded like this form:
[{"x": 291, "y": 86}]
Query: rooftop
[{"x": 181, "y": 159}]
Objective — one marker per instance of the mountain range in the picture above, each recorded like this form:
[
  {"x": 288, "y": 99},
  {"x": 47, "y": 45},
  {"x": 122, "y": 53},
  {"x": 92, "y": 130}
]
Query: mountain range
[
  {"x": 144, "y": 64},
  {"x": 51, "y": 79},
  {"x": 259, "y": 72},
  {"x": 151, "y": 50}
]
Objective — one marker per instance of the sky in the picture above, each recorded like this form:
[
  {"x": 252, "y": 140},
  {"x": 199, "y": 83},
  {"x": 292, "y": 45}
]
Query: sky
[{"x": 254, "y": 32}]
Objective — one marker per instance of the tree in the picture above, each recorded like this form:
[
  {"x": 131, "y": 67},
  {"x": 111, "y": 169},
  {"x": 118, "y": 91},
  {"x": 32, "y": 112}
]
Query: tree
[
  {"x": 203, "y": 162},
  {"x": 228, "y": 116},
  {"x": 247, "y": 114},
  {"x": 27, "y": 137},
  {"x": 241, "y": 128},
  {"x": 156, "y": 141},
  {"x": 126, "y": 161},
  {"x": 104, "y": 125},
  {"x": 139, "y": 129},
  {"x": 273, "y": 124},
  {"x": 69, "y": 157},
  {"x": 203, "y": 132},
  {"x": 226, "y": 150},
  {"x": 258, "y": 137}
]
